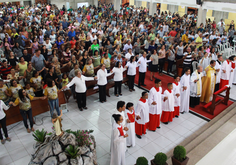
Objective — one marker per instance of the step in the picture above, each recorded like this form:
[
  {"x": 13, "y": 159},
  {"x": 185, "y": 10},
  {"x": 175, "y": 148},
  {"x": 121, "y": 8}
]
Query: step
[{"x": 208, "y": 136}]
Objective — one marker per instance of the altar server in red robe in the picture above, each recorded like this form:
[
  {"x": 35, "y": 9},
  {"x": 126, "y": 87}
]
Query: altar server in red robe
[
  {"x": 130, "y": 114},
  {"x": 225, "y": 74},
  {"x": 176, "y": 92},
  {"x": 168, "y": 105},
  {"x": 155, "y": 100},
  {"x": 118, "y": 141},
  {"x": 142, "y": 113}
]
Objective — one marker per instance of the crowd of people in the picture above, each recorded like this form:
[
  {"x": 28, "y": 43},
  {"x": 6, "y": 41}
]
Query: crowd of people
[{"x": 39, "y": 41}]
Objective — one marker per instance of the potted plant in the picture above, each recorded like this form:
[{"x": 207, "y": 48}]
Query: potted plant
[
  {"x": 72, "y": 151},
  {"x": 39, "y": 136},
  {"x": 159, "y": 159},
  {"x": 141, "y": 161},
  {"x": 179, "y": 157}
]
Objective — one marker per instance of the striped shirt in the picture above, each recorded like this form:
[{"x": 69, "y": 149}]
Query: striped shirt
[
  {"x": 5, "y": 71},
  {"x": 188, "y": 59}
]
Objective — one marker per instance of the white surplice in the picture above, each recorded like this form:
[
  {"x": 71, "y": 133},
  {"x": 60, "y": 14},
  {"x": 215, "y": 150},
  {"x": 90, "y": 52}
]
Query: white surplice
[
  {"x": 130, "y": 140},
  {"x": 157, "y": 97},
  {"x": 227, "y": 68},
  {"x": 168, "y": 105},
  {"x": 204, "y": 62},
  {"x": 118, "y": 147},
  {"x": 142, "y": 110},
  {"x": 185, "y": 94},
  {"x": 176, "y": 90},
  {"x": 193, "y": 85},
  {"x": 232, "y": 75},
  {"x": 218, "y": 74}
]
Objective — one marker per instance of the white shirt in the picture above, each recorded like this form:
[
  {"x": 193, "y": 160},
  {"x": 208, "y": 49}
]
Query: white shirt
[
  {"x": 143, "y": 64},
  {"x": 102, "y": 77},
  {"x": 128, "y": 55},
  {"x": 53, "y": 38},
  {"x": 118, "y": 73},
  {"x": 131, "y": 68},
  {"x": 80, "y": 86},
  {"x": 3, "y": 106}
]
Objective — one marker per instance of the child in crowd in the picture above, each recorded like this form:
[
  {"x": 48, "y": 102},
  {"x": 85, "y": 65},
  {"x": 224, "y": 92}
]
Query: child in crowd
[
  {"x": 29, "y": 90},
  {"x": 130, "y": 114},
  {"x": 65, "y": 79},
  {"x": 168, "y": 105}
]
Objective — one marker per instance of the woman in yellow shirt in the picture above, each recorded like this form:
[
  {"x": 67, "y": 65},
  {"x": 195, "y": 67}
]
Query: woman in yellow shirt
[
  {"x": 88, "y": 69},
  {"x": 53, "y": 101},
  {"x": 36, "y": 82},
  {"x": 13, "y": 90},
  {"x": 25, "y": 107}
]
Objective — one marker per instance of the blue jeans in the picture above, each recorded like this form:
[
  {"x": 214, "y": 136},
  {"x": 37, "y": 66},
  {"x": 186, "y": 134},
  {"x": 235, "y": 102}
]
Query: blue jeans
[{"x": 54, "y": 104}]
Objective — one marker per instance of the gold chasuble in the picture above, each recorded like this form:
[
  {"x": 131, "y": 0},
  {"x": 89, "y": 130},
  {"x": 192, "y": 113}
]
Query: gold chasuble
[{"x": 208, "y": 84}]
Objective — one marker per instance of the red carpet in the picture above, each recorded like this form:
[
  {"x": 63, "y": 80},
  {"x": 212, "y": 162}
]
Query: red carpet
[{"x": 165, "y": 79}]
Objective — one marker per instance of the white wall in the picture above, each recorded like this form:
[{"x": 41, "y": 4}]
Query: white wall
[
  {"x": 227, "y": 7},
  {"x": 189, "y": 3}
]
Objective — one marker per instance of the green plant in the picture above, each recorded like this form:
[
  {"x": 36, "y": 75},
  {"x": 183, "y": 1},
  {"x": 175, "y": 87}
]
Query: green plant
[
  {"x": 160, "y": 158},
  {"x": 82, "y": 136},
  {"x": 39, "y": 136},
  {"x": 180, "y": 153},
  {"x": 72, "y": 151},
  {"x": 141, "y": 161}
]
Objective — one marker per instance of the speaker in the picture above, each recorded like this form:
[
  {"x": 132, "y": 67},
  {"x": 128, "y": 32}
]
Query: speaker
[{"x": 199, "y": 2}]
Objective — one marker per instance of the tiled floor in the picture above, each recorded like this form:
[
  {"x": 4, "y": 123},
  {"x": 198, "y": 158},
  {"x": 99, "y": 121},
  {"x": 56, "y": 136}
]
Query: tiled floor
[{"x": 98, "y": 117}]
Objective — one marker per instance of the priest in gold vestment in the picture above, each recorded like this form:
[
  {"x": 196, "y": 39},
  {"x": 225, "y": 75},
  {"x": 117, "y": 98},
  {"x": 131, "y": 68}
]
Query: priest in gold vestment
[{"x": 208, "y": 82}]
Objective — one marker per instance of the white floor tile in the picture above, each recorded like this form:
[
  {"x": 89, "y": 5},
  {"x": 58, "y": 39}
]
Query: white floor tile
[
  {"x": 97, "y": 118},
  {"x": 18, "y": 153}
]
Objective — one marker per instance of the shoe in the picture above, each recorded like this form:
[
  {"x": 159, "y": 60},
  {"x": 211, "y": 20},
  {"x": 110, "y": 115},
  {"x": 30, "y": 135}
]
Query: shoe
[
  {"x": 105, "y": 101},
  {"x": 176, "y": 116},
  {"x": 117, "y": 95},
  {"x": 32, "y": 129},
  {"x": 165, "y": 123},
  {"x": 120, "y": 94},
  {"x": 85, "y": 108},
  {"x": 28, "y": 130},
  {"x": 133, "y": 89},
  {"x": 8, "y": 139},
  {"x": 144, "y": 85},
  {"x": 102, "y": 101},
  {"x": 182, "y": 112},
  {"x": 128, "y": 146},
  {"x": 158, "y": 127},
  {"x": 153, "y": 130},
  {"x": 138, "y": 136},
  {"x": 81, "y": 109},
  {"x": 3, "y": 141}
]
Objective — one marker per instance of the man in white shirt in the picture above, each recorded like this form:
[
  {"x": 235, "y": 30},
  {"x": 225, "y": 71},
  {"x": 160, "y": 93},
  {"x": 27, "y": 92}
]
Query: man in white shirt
[
  {"x": 219, "y": 23},
  {"x": 80, "y": 88},
  {"x": 142, "y": 62},
  {"x": 127, "y": 46}
]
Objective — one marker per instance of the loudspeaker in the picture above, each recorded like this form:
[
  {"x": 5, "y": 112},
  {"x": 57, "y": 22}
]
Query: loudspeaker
[{"x": 199, "y": 2}]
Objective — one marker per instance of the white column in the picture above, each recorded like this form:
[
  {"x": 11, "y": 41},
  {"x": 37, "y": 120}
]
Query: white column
[
  {"x": 201, "y": 18},
  {"x": 95, "y": 2},
  {"x": 22, "y": 3},
  {"x": 32, "y": 2},
  {"x": 152, "y": 8},
  {"x": 138, "y": 3},
  {"x": 117, "y": 5}
]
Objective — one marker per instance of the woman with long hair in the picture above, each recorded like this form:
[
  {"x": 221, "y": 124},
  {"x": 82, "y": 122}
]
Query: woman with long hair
[
  {"x": 118, "y": 77},
  {"x": 23, "y": 100},
  {"x": 131, "y": 72}
]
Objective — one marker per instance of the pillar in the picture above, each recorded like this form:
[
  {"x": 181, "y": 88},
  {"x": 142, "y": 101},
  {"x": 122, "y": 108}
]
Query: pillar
[
  {"x": 32, "y": 2},
  {"x": 117, "y": 5},
  {"x": 152, "y": 8},
  {"x": 95, "y": 2},
  {"x": 131, "y": 2},
  {"x": 138, "y": 3},
  {"x": 201, "y": 16},
  {"x": 22, "y": 3}
]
